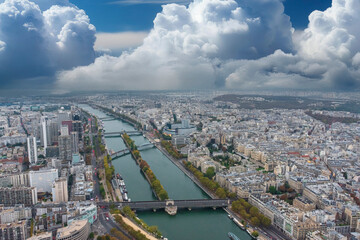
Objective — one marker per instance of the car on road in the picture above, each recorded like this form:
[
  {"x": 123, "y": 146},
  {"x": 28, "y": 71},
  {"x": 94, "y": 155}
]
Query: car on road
[{"x": 107, "y": 219}]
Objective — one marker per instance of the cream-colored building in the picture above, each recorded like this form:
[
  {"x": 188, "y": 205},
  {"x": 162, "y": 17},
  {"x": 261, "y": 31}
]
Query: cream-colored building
[
  {"x": 78, "y": 230},
  {"x": 304, "y": 204},
  {"x": 352, "y": 215},
  {"x": 60, "y": 190}
]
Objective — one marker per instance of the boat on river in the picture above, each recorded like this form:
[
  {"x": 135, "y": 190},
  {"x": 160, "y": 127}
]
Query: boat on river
[
  {"x": 119, "y": 183},
  {"x": 239, "y": 224},
  {"x": 232, "y": 236}
]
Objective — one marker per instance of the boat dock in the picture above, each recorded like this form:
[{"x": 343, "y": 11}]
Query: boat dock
[{"x": 120, "y": 188}]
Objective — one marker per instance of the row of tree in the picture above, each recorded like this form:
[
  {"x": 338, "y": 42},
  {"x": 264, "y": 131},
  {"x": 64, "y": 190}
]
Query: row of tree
[
  {"x": 250, "y": 213},
  {"x": 118, "y": 234},
  {"x": 130, "y": 142},
  {"x": 170, "y": 149},
  {"x": 109, "y": 171},
  {"x": 154, "y": 182},
  {"x": 152, "y": 229},
  {"x": 108, "y": 237},
  {"x": 102, "y": 190},
  {"x": 207, "y": 181},
  {"x": 144, "y": 166},
  {"x": 135, "y": 234}
]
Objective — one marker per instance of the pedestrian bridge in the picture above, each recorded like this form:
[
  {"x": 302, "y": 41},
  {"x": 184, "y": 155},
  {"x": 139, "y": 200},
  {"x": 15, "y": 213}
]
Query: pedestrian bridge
[
  {"x": 118, "y": 134},
  {"x": 145, "y": 146},
  {"x": 170, "y": 206},
  {"x": 126, "y": 151},
  {"x": 119, "y": 153}
]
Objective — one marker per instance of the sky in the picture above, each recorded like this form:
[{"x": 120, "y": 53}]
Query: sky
[
  {"x": 112, "y": 16},
  {"x": 180, "y": 44}
]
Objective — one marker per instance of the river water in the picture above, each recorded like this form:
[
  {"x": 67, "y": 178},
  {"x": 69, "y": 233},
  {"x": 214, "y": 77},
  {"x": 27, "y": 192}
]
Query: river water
[{"x": 205, "y": 224}]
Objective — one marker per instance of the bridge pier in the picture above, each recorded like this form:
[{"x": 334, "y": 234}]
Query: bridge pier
[{"x": 170, "y": 208}]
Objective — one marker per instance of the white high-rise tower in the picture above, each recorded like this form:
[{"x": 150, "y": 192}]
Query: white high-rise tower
[
  {"x": 43, "y": 123},
  {"x": 32, "y": 149}
]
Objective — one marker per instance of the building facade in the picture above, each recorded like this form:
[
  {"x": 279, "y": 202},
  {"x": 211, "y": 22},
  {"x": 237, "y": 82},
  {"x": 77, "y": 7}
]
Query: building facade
[
  {"x": 14, "y": 231},
  {"x": 65, "y": 151},
  {"x": 18, "y": 195},
  {"x": 32, "y": 149},
  {"x": 77, "y": 230},
  {"x": 60, "y": 190},
  {"x": 43, "y": 179}
]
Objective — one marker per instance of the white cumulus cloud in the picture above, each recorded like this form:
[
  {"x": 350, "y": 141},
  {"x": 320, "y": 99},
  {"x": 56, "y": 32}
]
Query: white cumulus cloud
[
  {"x": 191, "y": 47},
  {"x": 36, "y": 43},
  {"x": 119, "y": 41},
  {"x": 327, "y": 55},
  {"x": 207, "y": 44}
]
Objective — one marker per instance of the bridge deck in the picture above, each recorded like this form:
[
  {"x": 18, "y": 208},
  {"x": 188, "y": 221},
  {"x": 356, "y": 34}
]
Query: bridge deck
[
  {"x": 121, "y": 132},
  {"x": 149, "y": 205}
]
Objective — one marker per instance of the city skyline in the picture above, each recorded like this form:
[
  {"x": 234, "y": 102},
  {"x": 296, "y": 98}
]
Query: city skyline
[
  {"x": 208, "y": 44},
  {"x": 229, "y": 165}
]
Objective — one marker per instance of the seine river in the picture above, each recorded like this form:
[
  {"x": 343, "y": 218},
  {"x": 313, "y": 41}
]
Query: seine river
[{"x": 205, "y": 224}]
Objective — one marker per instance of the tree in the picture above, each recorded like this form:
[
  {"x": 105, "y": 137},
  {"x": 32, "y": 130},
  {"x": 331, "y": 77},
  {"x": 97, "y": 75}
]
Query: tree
[
  {"x": 212, "y": 185},
  {"x": 236, "y": 205},
  {"x": 254, "y": 211},
  {"x": 247, "y": 206},
  {"x": 284, "y": 197},
  {"x": 210, "y": 172},
  {"x": 242, "y": 201},
  {"x": 156, "y": 185},
  {"x": 136, "y": 153},
  {"x": 272, "y": 190},
  {"x": 91, "y": 235},
  {"x": 266, "y": 222},
  {"x": 153, "y": 229},
  {"x": 255, "y": 221},
  {"x": 144, "y": 164},
  {"x": 243, "y": 213},
  {"x": 282, "y": 188},
  {"x": 232, "y": 195},
  {"x": 163, "y": 194},
  {"x": 220, "y": 192},
  {"x": 102, "y": 148},
  {"x": 255, "y": 234},
  {"x": 290, "y": 190}
]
